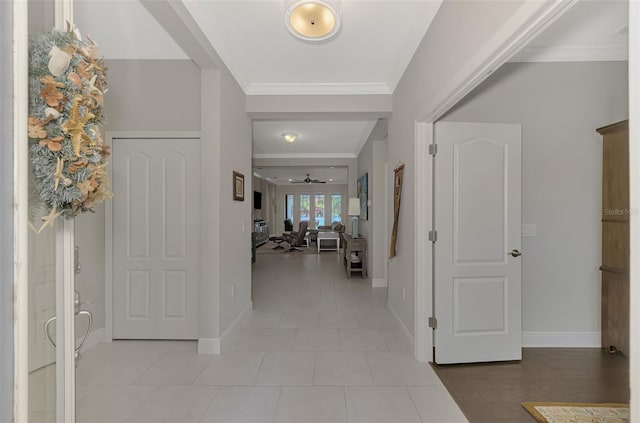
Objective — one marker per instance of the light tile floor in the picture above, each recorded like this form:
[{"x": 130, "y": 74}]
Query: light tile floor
[{"x": 318, "y": 347}]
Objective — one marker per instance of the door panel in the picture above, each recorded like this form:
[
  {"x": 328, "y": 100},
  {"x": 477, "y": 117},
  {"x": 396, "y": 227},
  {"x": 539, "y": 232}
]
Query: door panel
[
  {"x": 477, "y": 216},
  {"x": 155, "y": 238}
]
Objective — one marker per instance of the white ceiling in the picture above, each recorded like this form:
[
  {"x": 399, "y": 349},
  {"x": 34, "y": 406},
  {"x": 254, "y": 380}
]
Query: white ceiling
[
  {"x": 281, "y": 175},
  {"x": 335, "y": 139},
  {"x": 368, "y": 55},
  {"x": 589, "y": 31}
]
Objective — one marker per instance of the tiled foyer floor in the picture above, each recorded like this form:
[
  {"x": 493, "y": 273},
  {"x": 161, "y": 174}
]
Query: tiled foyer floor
[{"x": 318, "y": 347}]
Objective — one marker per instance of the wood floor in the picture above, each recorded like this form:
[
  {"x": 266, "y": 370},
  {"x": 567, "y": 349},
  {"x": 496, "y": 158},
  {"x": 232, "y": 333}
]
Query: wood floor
[{"x": 493, "y": 392}]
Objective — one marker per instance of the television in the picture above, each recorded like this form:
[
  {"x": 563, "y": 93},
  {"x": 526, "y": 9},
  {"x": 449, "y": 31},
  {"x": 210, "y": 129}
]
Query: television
[{"x": 257, "y": 200}]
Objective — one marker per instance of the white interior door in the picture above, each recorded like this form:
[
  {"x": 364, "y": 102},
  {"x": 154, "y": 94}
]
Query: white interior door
[
  {"x": 477, "y": 218},
  {"x": 156, "y": 214}
]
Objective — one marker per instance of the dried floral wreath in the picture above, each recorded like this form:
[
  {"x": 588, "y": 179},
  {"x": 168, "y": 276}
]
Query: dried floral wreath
[{"x": 67, "y": 153}]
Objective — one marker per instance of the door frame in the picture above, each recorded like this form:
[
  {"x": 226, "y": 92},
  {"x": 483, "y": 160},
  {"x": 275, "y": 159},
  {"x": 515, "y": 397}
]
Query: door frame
[
  {"x": 530, "y": 20},
  {"x": 110, "y": 136},
  {"x": 634, "y": 167}
]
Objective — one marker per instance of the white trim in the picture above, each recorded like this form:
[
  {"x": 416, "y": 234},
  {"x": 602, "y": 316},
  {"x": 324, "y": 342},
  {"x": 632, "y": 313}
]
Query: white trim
[
  {"x": 595, "y": 53},
  {"x": 108, "y": 216},
  {"x": 366, "y": 133},
  {"x": 113, "y": 135},
  {"x": 65, "y": 322},
  {"x": 406, "y": 331},
  {"x": 319, "y": 88},
  {"x": 306, "y": 156},
  {"x": 531, "y": 19},
  {"x": 21, "y": 204},
  {"x": 209, "y": 346},
  {"x": 634, "y": 174},
  {"x": 378, "y": 283},
  {"x": 561, "y": 339},
  {"x": 244, "y": 314},
  {"x": 423, "y": 300}
]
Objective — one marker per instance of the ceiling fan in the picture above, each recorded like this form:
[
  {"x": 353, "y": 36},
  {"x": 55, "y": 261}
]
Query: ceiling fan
[{"x": 307, "y": 180}]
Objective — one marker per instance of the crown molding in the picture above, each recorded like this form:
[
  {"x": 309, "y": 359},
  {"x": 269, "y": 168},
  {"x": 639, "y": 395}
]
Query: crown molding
[
  {"x": 318, "y": 88},
  {"x": 306, "y": 156},
  {"x": 593, "y": 53},
  {"x": 366, "y": 133}
]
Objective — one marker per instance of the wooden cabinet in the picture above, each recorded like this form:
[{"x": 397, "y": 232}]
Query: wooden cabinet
[
  {"x": 357, "y": 246},
  {"x": 615, "y": 237}
]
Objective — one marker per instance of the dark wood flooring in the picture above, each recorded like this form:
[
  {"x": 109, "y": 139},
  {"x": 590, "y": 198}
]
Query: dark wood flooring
[{"x": 492, "y": 392}]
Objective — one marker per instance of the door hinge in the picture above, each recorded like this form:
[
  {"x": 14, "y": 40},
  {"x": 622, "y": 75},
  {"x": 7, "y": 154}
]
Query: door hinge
[
  {"x": 433, "y": 149},
  {"x": 433, "y": 323},
  {"x": 433, "y": 236}
]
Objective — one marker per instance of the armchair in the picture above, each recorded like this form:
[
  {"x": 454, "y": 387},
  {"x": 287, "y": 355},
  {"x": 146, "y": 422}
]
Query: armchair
[{"x": 296, "y": 238}]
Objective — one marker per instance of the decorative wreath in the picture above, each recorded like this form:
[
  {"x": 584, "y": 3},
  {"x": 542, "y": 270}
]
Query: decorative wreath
[{"x": 67, "y": 153}]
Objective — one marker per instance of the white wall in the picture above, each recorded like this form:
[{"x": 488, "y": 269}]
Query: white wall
[
  {"x": 559, "y": 106},
  {"x": 459, "y": 29}
]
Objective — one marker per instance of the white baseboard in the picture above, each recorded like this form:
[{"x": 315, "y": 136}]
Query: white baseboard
[
  {"x": 406, "y": 331},
  {"x": 561, "y": 339},
  {"x": 234, "y": 325},
  {"x": 378, "y": 283},
  {"x": 95, "y": 337},
  {"x": 214, "y": 345},
  {"x": 209, "y": 346}
]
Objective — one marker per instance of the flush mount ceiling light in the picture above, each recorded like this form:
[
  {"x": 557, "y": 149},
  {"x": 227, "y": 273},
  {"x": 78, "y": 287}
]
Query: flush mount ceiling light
[
  {"x": 290, "y": 137},
  {"x": 312, "y": 20}
]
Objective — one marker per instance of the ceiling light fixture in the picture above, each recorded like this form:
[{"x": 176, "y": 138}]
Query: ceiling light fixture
[
  {"x": 312, "y": 20},
  {"x": 290, "y": 137}
]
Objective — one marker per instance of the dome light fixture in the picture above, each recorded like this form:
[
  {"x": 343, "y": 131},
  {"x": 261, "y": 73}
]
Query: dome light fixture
[
  {"x": 312, "y": 20},
  {"x": 290, "y": 137}
]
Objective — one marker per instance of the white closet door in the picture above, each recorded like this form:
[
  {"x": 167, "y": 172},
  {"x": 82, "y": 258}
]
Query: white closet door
[
  {"x": 477, "y": 262},
  {"x": 156, "y": 214}
]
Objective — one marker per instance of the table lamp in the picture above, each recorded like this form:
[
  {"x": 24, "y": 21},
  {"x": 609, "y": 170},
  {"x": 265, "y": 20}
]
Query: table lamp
[{"x": 354, "y": 212}]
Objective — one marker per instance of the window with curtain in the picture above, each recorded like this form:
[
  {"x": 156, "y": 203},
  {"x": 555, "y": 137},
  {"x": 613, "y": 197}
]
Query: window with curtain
[
  {"x": 336, "y": 208},
  {"x": 319, "y": 211}
]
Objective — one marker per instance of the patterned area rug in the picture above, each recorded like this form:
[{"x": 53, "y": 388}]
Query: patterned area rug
[{"x": 564, "y": 412}]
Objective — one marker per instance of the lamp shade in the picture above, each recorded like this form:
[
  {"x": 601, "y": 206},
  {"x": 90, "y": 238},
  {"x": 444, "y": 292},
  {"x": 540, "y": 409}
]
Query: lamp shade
[{"x": 354, "y": 206}]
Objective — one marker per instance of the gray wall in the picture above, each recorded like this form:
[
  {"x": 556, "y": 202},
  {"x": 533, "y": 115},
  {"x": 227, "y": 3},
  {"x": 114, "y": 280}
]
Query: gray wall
[
  {"x": 371, "y": 160},
  {"x": 559, "y": 106},
  {"x": 458, "y": 30},
  {"x": 139, "y": 99},
  {"x": 152, "y": 95},
  {"x": 236, "y": 223}
]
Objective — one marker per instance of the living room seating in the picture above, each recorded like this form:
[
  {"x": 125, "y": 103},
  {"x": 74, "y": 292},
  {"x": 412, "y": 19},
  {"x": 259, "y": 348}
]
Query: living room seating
[
  {"x": 288, "y": 225},
  {"x": 296, "y": 238},
  {"x": 334, "y": 227}
]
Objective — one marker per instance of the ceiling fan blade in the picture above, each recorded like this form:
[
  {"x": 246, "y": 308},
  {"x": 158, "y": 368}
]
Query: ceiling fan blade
[{"x": 317, "y": 181}]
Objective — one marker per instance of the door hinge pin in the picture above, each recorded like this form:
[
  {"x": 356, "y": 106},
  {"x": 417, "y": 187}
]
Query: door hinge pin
[
  {"x": 433, "y": 149},
  {"x": 433, "y": 236},
  {"x": 433, "y": 323}
]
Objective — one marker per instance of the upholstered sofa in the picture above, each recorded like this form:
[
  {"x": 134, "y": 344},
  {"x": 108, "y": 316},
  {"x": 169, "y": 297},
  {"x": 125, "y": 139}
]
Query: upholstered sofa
[{"x": 334, "y": 227}]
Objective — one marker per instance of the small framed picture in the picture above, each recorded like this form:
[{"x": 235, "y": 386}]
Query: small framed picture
[{"x": 238, "y": 186}]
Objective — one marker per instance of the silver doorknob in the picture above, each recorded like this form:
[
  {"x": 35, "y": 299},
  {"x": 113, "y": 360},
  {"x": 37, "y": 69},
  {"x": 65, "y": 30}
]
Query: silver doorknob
[{"x": 515, "y": 253}]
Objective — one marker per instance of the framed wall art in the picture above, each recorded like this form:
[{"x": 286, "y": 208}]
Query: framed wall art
[
  {"x": 238, "y": 186},
  {"x": 363, "y": 195}
]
